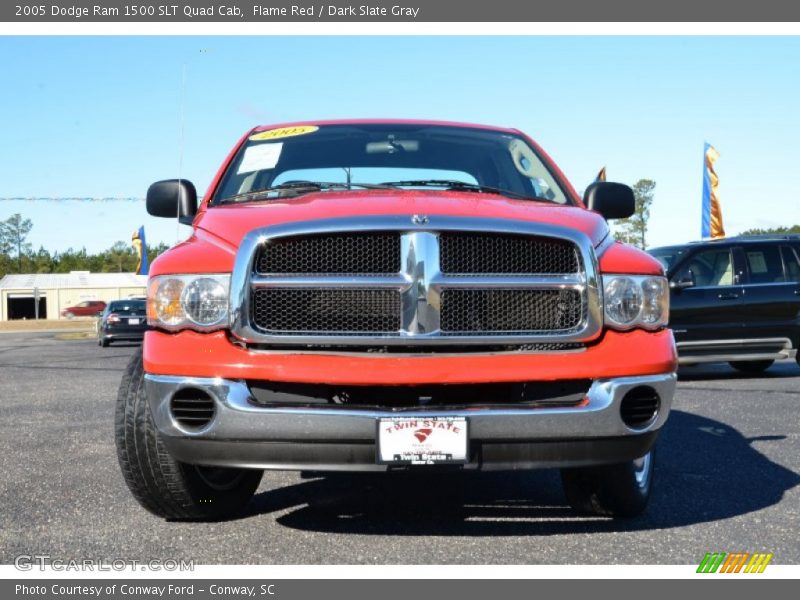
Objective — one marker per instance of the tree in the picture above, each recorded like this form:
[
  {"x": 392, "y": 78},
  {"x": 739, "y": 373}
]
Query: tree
[
  {"x": 13, "y": 232},
  {"x": 773, "y": 230},
  {"x": 633, "y": 230},
  {"x": 120, "y": 257}
]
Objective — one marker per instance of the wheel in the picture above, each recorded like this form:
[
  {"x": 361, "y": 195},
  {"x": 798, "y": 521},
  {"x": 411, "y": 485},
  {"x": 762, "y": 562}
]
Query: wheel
[
  {"x": 165, "y": 487},
  {"x": 751, "y": 366},
  {"x": 104, "y": 342},
  {"x": 69, "y": 315},
  {"x": 620, "y": 490}
]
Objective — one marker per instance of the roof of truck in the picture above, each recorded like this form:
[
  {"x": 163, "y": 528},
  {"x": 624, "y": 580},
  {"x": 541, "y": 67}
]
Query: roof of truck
[{"x": 383, "y": 121}]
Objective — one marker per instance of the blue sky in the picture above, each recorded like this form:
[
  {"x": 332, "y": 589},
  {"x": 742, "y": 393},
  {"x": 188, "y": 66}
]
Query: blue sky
[{"x": 100, "y": 117}]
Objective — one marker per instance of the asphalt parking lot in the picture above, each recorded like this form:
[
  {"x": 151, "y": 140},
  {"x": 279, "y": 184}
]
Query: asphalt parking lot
[{"x": 726, "y": 480}]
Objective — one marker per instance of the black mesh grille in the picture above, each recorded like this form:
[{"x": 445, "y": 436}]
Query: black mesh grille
[
  {"x": 350, "y": 254},
  {"x": 497, "y": 311},
  {"x": 323, "y": 311},
  {"x": 485, "y": 254}
]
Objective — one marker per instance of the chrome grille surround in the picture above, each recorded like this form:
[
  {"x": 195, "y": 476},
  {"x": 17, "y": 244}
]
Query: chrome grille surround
[{"x": 419, "y": 282}]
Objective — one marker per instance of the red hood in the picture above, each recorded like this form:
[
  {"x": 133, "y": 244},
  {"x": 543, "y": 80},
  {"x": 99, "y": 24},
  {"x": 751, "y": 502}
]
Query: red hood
[{"x": 231, "y": 223}]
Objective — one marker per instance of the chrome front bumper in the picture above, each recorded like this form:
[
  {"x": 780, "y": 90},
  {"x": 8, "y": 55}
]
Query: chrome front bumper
[{"x": 244, "y": 434}]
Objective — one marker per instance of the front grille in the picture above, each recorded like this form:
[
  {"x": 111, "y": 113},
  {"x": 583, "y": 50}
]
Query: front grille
[
  {"x": 493, "y": 311},
  {"x": 326, "y": 311},
  {"x": 485, "y": 254},
  {"x": 383, "y": 282},
  {"x": 345, "y": 254}
]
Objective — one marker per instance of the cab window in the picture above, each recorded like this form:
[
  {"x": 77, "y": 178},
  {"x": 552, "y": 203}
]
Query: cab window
[
  {"x": 764, "y": 264},
  {"x": 792, "y": 264},
  {"x": 709, "y": 268}
]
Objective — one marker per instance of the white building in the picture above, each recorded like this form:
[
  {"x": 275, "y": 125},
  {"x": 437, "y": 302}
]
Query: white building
[{"x": 57, "y": 291}]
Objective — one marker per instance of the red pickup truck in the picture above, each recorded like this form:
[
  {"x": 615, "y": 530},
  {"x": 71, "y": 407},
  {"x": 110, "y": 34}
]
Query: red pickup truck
[{"x": 394, "y": 295}]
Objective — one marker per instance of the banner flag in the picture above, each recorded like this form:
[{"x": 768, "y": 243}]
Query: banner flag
[
  {"x": 712, "y": 210},
  {"x": 139, "y": 242}
]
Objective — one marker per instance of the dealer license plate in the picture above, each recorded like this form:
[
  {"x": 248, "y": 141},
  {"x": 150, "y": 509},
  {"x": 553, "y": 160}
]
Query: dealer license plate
[
  {"x": 422, "y": 441},
  {"x": 133, "y": 321}
]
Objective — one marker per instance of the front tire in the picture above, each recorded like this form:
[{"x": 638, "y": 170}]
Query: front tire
[
  {"x": 620, "y": 490},
  {"x": 165, "y": 487},
  {"x": 751, "y": 366}
]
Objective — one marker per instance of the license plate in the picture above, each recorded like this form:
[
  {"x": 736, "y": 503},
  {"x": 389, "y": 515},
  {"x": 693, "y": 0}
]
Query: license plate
[
  {"x": 133, "y": 321},
  {"x": 422, "y": 441}
]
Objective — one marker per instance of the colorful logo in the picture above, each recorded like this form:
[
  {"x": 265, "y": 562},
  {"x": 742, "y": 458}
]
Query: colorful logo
[{"x": 735, "y": 562}]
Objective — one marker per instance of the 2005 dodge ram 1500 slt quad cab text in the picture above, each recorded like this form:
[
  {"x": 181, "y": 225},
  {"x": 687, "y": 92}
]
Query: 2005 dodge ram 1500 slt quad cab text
[{"x": 395, "y": 295}]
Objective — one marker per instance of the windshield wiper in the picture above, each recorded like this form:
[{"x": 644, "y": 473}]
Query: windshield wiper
[
  {"x": 291, "y": 188},
  {"x": 463, "y": 186}
]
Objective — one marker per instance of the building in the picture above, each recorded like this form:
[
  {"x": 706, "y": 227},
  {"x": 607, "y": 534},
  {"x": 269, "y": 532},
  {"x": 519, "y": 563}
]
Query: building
[{"x": 57, "y": 291}]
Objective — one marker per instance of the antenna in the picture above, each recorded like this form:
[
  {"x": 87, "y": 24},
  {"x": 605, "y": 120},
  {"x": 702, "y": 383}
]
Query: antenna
[{"x": 180, "y": 151}]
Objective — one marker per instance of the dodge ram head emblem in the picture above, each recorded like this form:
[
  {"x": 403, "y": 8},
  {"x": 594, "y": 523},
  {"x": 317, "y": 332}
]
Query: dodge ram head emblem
[{"x": 419, "y": 219}]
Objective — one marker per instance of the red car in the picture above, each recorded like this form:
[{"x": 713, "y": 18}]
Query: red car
[
  {"x": 395, "y": 295},
  {"x": 88, "y": 308}
]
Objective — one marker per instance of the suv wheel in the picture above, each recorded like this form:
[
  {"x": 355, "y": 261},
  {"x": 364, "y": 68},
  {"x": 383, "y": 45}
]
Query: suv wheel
[
  {"x": 751, "y": 366},
  {"x": 620, "y": 490},
  {"x": 164, "y": 486}
]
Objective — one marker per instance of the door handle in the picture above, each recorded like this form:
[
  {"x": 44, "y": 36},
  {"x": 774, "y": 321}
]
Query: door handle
[{"x": 728, "y": 296}]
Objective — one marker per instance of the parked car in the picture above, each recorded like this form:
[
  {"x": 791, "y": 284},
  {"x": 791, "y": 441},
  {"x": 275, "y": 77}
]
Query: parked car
[
  {"x": 87, "y": 308},
  {"x": 122, "y": 320},
  {"x": 395, "y": 295},
  {"x": 735, "y": 300}
]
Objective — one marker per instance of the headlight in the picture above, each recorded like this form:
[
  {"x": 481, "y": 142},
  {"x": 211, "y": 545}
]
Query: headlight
[
  {"x": 188, "y": 301},
  {"x": 636, "y": 301}
]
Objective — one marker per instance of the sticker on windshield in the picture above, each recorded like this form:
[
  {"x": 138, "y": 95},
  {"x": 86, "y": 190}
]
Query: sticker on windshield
[
  {"x": 283, "y": 132},
  {"x": 260, "y": 157}
]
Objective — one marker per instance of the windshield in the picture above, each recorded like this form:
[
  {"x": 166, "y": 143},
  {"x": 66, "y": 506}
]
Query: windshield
[
  {"x": 668, "y": 256},
  {"x": 291, "y": 161}
]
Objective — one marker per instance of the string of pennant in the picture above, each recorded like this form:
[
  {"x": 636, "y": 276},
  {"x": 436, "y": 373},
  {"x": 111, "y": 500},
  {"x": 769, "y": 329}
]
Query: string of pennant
[{"x": 72, "y": 199}]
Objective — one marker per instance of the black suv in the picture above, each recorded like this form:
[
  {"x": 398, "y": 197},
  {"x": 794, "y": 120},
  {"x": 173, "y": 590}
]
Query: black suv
[{"x": 735, "y": 299}]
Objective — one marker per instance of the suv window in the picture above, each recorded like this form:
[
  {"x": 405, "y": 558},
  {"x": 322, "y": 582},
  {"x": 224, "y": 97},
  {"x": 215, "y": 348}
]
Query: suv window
[
  {"x": 792, "y": 263},
  {"x": 709, "y": 268},
  {"x": 764, "y": 264}
]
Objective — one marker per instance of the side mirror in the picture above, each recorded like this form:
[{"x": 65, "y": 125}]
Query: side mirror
[
  {"x": 612, "y": 200},
  {"x": 171, "y": 198},
  {"x": 686, "y": 280}
]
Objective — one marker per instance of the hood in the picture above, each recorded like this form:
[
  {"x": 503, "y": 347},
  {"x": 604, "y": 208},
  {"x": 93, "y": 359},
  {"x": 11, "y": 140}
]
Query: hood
[{"x": 231, "y": 223}]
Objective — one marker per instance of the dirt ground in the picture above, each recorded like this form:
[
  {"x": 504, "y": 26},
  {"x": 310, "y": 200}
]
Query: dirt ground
[{"x": 79, "y": 324}]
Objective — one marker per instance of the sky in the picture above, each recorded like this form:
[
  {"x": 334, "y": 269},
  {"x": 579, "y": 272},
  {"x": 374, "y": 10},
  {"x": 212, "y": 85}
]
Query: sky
[{"x": 102, "y": 116}]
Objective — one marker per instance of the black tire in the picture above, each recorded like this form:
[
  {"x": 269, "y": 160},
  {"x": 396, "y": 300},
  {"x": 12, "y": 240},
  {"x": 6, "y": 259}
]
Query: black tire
[
  {"x": 751, "y": 366},
  {"x": 620, "y": 490},
  {"x": 164, "y": 486},
  {"x": 104, "y": 342}
]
